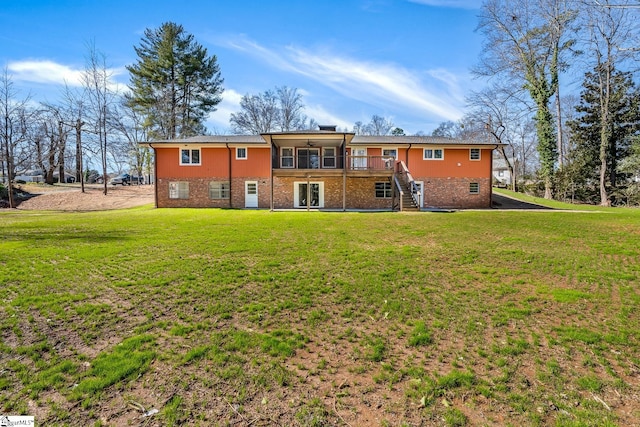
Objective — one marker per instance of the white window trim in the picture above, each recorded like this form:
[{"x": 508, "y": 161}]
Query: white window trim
[
  {"x": 479, "y": 155},
  {"x": 176, "y": 190},
  {"x": 334, "y": 157},
  {"x": 296, "y": 194},
  {"x": 190, "y": 152},
  {"x": 390, "y": 148},
  {"x": 292, "y": 157},
  {"x": 433, "y": 152},
  {"x": 220, "y": 190},
  {"x": 246, "y": 153}
]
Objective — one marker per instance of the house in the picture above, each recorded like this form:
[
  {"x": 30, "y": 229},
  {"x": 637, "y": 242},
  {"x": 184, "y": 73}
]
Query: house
[
  {"x": 324, "y": 169},
  {"x": 501, "y": 172}
]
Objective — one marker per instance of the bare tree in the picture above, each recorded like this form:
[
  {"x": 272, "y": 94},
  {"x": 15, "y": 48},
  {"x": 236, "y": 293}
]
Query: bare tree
[
  {"x": 378, "y": 125},
  {"x": 271, "y": 111},
  {"x": 500, "y": 109},
  {"x": 96, "y": 80},
  {"x": 291, "y": 115},
  {"x": 129, "y": 123},
  {"x": 258, "y": 114},
  {"x": 524, "y": 41},
  {"x": 13, "y": 130}
]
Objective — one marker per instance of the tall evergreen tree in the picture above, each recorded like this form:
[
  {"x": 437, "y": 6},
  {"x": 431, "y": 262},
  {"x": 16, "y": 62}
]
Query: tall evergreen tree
[
  {"x": 175, "y": 83},
  {"x": 590, "y": 155}
]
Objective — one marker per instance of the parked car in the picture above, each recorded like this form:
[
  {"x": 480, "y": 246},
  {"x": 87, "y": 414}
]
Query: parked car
[{"x": 124, "y": 179}]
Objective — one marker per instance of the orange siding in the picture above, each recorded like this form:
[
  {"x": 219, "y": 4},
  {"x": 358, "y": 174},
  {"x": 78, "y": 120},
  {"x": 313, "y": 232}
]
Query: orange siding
[
  {"x": 214, "y": 163},
  {"x": 456, "y": 164},
  {"x": 258, "y": 163}
]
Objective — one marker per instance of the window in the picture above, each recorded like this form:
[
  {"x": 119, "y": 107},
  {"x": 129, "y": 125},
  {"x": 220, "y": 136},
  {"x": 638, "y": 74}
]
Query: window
[
  {"x": 383, "y": 190},
  {"x": 474, "y": 154},
  {"x": 179, "y": 190},
  {"x": 190, "y": 156},
  {"x": 390, "y": 152},
  {"x": 433, "y": 154},
  {"x": 501, "y": 173},
  {"x": 474, "y": 188},
  {"x": 286, "y": 159},
  {"x": 241, "y": 153},
  {"x": 219, "y": 190},
  {"x": 329, "y": 158}
]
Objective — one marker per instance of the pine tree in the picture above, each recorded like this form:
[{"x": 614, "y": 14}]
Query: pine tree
[
  {"x": 174, "y": 84},
  {"x": 624, "y": 117}
]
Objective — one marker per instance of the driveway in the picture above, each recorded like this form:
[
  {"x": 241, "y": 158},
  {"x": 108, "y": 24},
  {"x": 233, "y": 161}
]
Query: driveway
[{"x": 498, "y": 201}]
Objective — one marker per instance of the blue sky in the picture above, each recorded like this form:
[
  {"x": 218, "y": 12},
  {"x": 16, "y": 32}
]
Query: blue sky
[{"x": 406, "y": 60}]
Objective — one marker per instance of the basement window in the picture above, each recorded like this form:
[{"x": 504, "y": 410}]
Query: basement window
[
  {"x": 179, "y": 190},
  {"x": 219, "y": 190},
  {"x": 383, "y": 190},
  {"x": 474, "y": 188}
]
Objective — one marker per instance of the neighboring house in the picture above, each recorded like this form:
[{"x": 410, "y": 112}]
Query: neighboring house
[
  {"x": 322, "y": 169},
  {"x": 501, "y": 173}
]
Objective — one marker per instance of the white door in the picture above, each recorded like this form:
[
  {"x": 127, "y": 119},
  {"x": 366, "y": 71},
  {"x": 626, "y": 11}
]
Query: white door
[
  {"x": 359, "y": 158},
  {"x": 420, "y": 186},
  {"x": 251, "y": 194},
  {"x": 308, "y": 196}
]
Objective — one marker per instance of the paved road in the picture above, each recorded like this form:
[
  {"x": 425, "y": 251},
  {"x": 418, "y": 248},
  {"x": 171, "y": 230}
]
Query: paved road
[{"x": 499, "y": 201}]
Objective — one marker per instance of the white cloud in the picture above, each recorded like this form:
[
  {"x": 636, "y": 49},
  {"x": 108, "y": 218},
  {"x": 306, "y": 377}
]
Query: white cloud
[
  {"x": 45, "y": 72},
  {"x": 50, "y": 72},
  {"x": 458, "y": 4},
  {"x": 219, "y": 119},
  {"x": 324, "y": 117},
  {"x": 379, "y": 84}
]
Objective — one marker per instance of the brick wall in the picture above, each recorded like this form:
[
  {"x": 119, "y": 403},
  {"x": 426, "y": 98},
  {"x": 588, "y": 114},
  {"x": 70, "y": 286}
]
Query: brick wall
[
  {"x": 362, "y": 193},
  {"x": 199, "y": 193},
  {"x": 454, "y": 193},
  {"x": 438, "y": 192}
]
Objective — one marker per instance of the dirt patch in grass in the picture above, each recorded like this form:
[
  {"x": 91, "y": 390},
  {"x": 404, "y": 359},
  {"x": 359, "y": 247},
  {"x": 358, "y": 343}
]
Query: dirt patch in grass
[{"x": 71, "y": 198}]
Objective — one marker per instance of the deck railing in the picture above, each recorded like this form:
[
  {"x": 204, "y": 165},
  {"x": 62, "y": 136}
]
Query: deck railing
[{"x": 354, "y": 163}]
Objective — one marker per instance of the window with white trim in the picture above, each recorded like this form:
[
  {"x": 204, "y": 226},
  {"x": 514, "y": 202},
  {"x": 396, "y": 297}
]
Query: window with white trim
[
  {"x": 433, "y": 154},
  {"x": 219, "y": 189},
  {"x": 390, "y": 152},
  {"x": 241, "y": 153},
  {"x": 286, "y": 157},
  {"x": 190, "y": 156},
  {"x": 329, "y": 157},
  {"x": 474, "y": 188},
  {"x": 179, "y": 190},
  {"x": 474, "y": 154},
  {"x": 383, "y": 190}
]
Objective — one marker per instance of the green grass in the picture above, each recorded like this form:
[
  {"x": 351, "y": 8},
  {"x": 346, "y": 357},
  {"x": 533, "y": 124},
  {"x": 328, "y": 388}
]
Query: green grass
[{"x": 225, "y": 316}]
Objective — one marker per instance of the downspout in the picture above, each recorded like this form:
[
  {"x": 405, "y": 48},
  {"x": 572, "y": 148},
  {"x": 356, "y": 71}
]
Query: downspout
[
  {"x": 155, "y": 173},
  {"x": 271, "y": 177},
  {"x": 344, "y": 173},
  {"x": 491, "y": 178},
  {"x": 407, "y": 155},
  {"x": 230, "y": 177}
]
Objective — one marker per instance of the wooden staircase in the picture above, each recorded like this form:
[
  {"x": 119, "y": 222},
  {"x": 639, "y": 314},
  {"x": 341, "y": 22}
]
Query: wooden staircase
[{"x": 408, "y": 204}]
